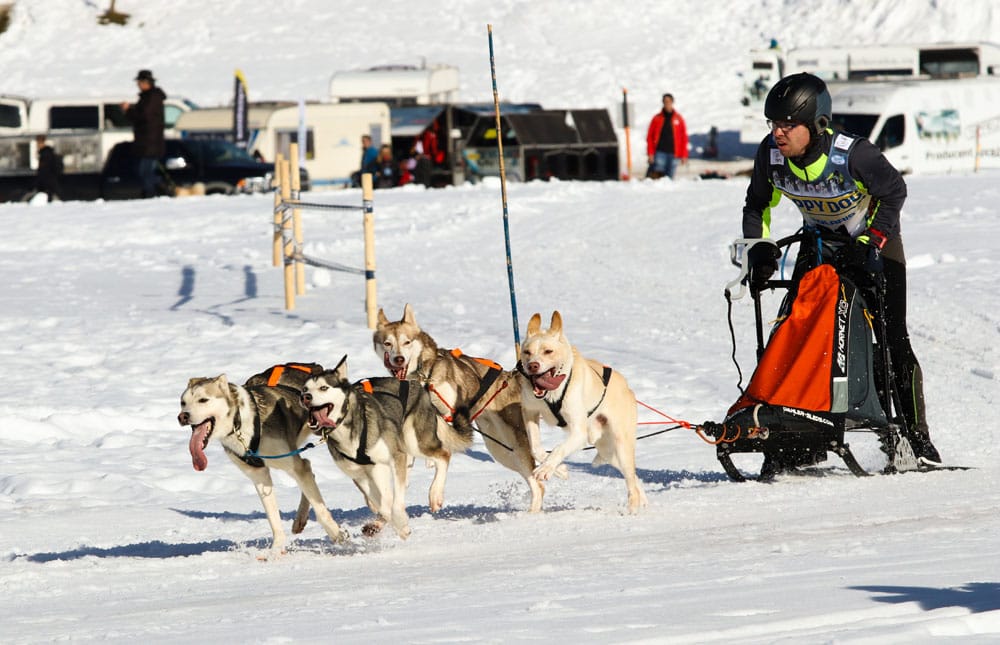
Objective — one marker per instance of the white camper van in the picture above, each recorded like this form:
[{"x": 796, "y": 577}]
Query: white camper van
[
  {"x": 333, "y": 133},
  {"x": 397, "y": 85},
  {"x": 931, "y": 126},
  {"x": 840, "y": 66}
]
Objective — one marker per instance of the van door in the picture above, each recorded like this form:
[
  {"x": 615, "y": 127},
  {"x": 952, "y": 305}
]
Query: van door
[{"x": 893, "y": 143}]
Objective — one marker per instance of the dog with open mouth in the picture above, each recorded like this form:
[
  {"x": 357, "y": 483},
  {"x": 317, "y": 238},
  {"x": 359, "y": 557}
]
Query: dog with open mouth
[
  {"x": 261, "y": 418},
  {"x": 374, "y": 429},
  {"x": 590, "y": 401},
  {"x": 463, "y": 389}
]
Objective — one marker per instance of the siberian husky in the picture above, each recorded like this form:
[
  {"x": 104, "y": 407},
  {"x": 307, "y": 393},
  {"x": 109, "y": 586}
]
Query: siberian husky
[
  {"x": 262, "y": 417},
  {"x": 462, "y": 388},
  {"x": 590, "y": 401},
  {"x": 373, "y": 428}
]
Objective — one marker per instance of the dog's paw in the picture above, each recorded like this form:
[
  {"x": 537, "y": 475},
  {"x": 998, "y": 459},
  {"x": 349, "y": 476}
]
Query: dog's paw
[
  {"x": 561, "y": 471},
  {"x": 436, "y": 504},
  {"x": 273, "y": 554},
  {"x": 299, "y": 524},
  {"x": 404, "y": 532},
  {"x": 543, "y": 472}
]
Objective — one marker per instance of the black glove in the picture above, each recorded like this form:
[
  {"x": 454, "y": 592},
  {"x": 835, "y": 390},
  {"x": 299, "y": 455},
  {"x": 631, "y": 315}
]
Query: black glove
[
  {"x": 762, "y": 259},
  {"x": 858, "y": 256}
]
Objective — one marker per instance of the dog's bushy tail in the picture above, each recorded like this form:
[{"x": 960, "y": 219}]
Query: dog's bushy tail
[{"x": 459, "y": 438}]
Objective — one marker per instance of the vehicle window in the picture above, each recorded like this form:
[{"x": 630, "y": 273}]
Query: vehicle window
[
  {"x": 892, "y": 133},
  {"x": 10, "y": 116},
  {"x": 74, "y": 117},
  {"x": 857, "y": 124},
  {"x": 218, "y": 151},
  {"x": 170, "y": 115},
  {"x": 114, "y": 116},
  {"x": 287, "y": 137}
]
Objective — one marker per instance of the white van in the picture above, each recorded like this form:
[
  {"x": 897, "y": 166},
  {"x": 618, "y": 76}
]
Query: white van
[
  {"x": 13, "y": 115},
  {"x": 845, "y": 65},
  {"x": 333, "y": 133},
  {"x": 82, "y": 130},
  {"x": 933, "y": 126},
  {"x": 397, "y": 85}
]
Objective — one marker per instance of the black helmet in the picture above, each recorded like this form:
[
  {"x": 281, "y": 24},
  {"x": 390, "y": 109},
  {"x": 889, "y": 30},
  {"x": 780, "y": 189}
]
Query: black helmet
[{"x": 800, "y": 97}]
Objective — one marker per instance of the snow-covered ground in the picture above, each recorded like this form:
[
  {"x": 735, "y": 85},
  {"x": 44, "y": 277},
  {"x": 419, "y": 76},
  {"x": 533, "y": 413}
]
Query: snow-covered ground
[{"x": 109, "y": 308}]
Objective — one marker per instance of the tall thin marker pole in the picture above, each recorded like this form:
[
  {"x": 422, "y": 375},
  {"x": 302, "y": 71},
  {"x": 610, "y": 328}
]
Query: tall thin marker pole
[
  {"x": 503, "y": 196},
  {"x": 628, "y": 137}
]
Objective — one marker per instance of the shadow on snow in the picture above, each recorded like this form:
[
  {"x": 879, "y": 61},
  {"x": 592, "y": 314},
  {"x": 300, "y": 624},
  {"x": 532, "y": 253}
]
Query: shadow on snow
[{"x": 977, "y": 597}]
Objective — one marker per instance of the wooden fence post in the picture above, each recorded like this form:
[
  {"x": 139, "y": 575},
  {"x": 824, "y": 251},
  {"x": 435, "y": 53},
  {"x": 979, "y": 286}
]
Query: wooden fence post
[
  {"x": 276, "y": 182},
  {"x": 286, "y": 237}
]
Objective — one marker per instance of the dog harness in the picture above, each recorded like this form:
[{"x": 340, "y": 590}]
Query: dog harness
[
  {"x": 362, "y": 458},
  {"x": 555, "y": 407},
  {"x": 248, "y": 457},
  {"x": 493, "y": 373}
]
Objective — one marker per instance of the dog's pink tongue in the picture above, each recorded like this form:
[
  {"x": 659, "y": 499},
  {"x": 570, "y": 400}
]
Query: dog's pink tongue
[
  {"x": 196, "y": 446},
  {"x": 548, "y": 381},
  {"x": 320, "y": 420}
]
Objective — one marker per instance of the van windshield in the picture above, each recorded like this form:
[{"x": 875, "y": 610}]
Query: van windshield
[{"x": 857, "y": 124}]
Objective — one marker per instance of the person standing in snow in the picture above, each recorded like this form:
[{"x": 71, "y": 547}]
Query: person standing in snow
[
  {"x": 821, "y": 169},
  {"x": 666, "y": 141},
  {"x": 50, "y": 168},
  {"x": 146, "y": 116}
]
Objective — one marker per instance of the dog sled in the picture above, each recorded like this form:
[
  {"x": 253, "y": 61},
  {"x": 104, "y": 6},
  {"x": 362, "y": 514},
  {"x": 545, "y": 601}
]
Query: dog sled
[{"x": 825, "y": 371}]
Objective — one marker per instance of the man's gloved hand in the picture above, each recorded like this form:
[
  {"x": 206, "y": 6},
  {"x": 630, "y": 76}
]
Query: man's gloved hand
[
  {"x": 865, "y": 253},
  {"x": 762, "y": 260}
]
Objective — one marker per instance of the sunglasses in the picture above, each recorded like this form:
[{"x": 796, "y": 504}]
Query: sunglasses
[{"x": 784, "y": 126}]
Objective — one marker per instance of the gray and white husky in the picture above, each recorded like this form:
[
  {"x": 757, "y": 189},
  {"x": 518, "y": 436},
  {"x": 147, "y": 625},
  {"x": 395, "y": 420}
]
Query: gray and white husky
[
  {"x": 373, "y": 430},
  {"x": 463, "y": 388},
  {"x": 261, "y": 417}
]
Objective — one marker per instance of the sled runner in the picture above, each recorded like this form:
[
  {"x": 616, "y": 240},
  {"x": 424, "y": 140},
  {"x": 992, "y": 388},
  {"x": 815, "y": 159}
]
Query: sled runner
[{"x": 824, "y": 371}]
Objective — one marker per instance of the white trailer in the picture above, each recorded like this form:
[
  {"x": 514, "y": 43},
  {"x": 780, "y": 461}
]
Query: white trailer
[
  {"x": 333, "y": 133},
  {"x": 926, "y": 126},
  {"x": 398, "y": 85}
]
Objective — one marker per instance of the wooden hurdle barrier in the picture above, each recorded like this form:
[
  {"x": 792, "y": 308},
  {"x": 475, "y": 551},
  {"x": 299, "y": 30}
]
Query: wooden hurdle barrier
[{"x": 288, "y": 235}]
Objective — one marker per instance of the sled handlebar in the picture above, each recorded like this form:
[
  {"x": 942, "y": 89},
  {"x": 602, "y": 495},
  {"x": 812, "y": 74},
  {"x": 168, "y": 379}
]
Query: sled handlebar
[{"x": 740, "y": 247}]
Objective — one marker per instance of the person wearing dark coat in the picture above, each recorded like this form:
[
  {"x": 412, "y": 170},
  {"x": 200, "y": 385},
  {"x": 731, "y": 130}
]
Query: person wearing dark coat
[
  {"x": 146, "y": 116},
  {"x": 49, "y": 169},
  {"x": 386, "y": 169}
]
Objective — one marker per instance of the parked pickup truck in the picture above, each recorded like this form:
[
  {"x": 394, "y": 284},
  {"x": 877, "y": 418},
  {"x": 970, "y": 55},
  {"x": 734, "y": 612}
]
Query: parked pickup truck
[{"x": 214, "y": 165}]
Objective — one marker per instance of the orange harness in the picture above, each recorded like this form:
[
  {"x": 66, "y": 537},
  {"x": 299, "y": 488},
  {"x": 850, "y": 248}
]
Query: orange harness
[{"x": 495, "y": 370}]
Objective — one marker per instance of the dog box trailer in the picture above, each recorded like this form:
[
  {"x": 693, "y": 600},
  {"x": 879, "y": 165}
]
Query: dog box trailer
[
  {"x": 546, "y": 144},
  {"x": 82, "y": 130},
  {"x": 397, "y": 85},
  {"x": 926, "y": 126},
  {"x": 333, "y": 133},
  {"x": 85, "y": 117}
]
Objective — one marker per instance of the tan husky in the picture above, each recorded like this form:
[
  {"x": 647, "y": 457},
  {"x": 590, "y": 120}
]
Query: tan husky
[
  {"x": 262, "y": 417},
  {"x": 462, "y": 388},
  {"x": 590, "y": 401}
]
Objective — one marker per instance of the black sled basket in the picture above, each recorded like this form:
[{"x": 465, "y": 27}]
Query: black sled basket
[{"x": 820, "y": 375}]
